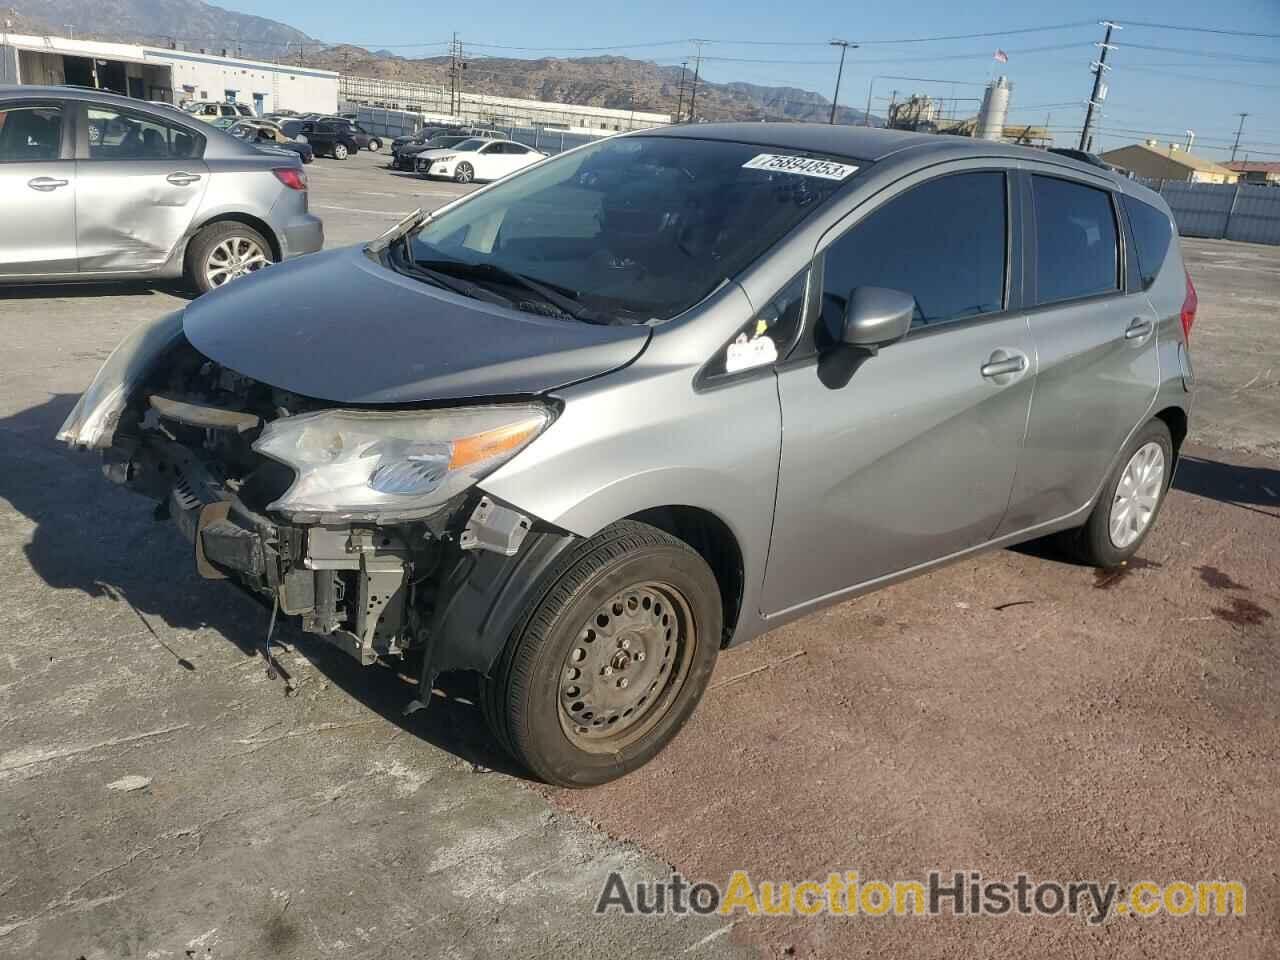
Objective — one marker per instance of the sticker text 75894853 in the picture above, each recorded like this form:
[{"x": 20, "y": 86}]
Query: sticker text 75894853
[{"x": 805, "y": 166}]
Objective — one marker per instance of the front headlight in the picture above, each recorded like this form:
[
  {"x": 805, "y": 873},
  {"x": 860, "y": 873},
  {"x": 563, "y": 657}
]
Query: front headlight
[
  {"x": 447, "y": 159},
  {"x": 389, "y": 466},
  {"x": 93, "y": 420}
]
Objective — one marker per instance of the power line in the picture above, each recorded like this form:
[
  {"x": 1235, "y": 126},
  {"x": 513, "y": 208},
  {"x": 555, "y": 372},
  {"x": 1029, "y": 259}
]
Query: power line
[
  {"x": 1214, "y": 54},
  {"x": 1239, "y": 130},
  {"x": 1229, "y": 33}
]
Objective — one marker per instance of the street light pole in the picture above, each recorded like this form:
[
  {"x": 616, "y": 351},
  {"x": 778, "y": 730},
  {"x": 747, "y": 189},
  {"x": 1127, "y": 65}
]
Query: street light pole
[{"x": 844, "y": 46}]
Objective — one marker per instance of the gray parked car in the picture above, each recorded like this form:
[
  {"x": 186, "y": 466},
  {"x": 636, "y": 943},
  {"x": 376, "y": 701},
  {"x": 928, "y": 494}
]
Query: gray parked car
[
  {"x": 102, "y": 187},
  {"x": 659, "y": 395}
]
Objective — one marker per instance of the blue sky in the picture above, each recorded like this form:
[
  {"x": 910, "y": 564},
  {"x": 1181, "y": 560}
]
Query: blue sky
[{"x": 1199, "y": 80}]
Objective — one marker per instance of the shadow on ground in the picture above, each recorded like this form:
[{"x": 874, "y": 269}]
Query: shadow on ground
[
  {"x": 122, "y": 288},
  {"x": 98, "y": 539},
  {"x": 1241, "y": 486}
]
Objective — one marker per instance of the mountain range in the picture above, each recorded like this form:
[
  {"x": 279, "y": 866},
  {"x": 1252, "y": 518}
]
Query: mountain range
[{"x": 610, "y": 81}]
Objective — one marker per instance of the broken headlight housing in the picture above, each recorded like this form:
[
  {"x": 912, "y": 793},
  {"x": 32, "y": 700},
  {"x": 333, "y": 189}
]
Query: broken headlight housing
[
  {"x": 93, "y": 420},
  {"x": 389, "y": 466}
]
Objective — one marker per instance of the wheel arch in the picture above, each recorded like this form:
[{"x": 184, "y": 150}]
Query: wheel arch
[
  {"x": 1175, "y": 418},
  {"x": 715, "y": 542},
  {"x": 249, "y": 220}
]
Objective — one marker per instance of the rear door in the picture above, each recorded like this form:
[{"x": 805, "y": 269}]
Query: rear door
[
  {"x": 140, "y": 182},
  {"x": 1095, "y": 340},
  {"x": 38, "y": 184},
  {"x": 893, "y": 460}
]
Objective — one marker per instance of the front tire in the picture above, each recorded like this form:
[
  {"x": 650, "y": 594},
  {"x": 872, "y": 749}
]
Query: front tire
[
  {"x": 609, "y": 661},
  {"x": 464, "y": 173},
  {"x": 339, "y": 151},
  {"x": 222, "y": 252},
  {"x": 375, "y": 145},
  {"x": 1130, "y": 501}
]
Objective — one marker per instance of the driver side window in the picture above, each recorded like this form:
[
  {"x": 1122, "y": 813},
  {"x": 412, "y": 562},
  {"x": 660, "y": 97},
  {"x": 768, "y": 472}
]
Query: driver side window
[{"x": 943, "y": 242}]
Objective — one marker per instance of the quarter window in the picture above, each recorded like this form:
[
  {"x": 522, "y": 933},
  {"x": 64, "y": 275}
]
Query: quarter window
[
  {"x": 122, "y": 136},
  {"x": 30, "y": 134},
  {"x": 1152, "y": 234},
  {"x": 1076, "y": 241},
  {"x": 944, "y": 242},
  {"x": 777, "y": 322}
]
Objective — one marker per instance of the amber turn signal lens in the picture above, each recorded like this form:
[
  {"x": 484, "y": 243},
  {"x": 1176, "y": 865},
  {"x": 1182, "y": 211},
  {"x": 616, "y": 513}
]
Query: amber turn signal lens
[{"x": 484, "y": 446}]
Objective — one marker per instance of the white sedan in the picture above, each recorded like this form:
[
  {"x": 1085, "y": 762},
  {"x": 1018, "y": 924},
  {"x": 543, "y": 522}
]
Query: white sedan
[{"x": 477, "y": 159}]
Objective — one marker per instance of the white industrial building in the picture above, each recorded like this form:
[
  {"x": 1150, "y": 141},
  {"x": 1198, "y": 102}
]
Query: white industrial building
[
  {"x": 159, "y": 73},
  {"x": 434, "y": 102}
]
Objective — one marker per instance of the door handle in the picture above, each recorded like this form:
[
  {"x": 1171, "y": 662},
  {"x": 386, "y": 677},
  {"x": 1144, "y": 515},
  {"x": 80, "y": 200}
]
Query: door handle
[
  {"x": 182, "y": 179},
  {"x": 46, "y": 184},
  {"x": 997, "y": 367},
  {"x": 1138, "y": 328}
]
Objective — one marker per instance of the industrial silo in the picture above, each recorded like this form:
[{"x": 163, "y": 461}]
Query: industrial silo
[{"x": 995, "y": 110}]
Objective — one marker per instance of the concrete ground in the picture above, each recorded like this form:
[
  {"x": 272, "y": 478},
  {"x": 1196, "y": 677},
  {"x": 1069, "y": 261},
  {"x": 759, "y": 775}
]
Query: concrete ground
[{"x": 163, "y": 798}]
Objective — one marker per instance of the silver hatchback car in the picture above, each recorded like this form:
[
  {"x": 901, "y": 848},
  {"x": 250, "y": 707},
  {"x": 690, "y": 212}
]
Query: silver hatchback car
[
  {"x": 661, "y": 394},
  {"x": 103, "y": 187}
]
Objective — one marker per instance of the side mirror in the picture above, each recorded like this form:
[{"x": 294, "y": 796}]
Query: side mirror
[{"x": 876, "y": 316}]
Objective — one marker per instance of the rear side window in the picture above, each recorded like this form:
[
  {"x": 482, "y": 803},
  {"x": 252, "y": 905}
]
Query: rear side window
[
  {"x": 121, "y": 136},
  {"x": 1076, "y": 241},
  {"x": 943, "y": 242},
  {"x": 1152, "y": 234},
  {"x": 30, "y": 134}
]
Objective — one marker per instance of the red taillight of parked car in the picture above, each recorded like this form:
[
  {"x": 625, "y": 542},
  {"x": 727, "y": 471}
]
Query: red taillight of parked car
[
  {"x": 1189, "y": 308},
  {"x": 291, "y": 178}
]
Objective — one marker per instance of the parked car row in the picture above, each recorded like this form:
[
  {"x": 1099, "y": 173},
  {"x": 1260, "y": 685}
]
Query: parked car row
[
  {"x": 337, "y": 137},
  {"x": 462, "y": 155}
]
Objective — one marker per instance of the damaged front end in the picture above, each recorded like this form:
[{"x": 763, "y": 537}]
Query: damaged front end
[{"x": 364, "y": 522}]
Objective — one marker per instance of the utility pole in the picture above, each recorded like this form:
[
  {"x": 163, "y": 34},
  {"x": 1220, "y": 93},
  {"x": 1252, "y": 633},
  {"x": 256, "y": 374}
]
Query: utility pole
[
  {"x": 693, "y": 93},
  {"x": 1099, "y": 87},
  {"x": 1239, "y": 130},
  {"x": 680, "y": 104},
  {"x": 453, "y": 76},
  {"x": 844, "y": 46}
]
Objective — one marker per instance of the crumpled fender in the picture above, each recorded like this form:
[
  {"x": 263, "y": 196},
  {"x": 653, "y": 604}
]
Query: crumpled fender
[{"x": 487, "y": 594}]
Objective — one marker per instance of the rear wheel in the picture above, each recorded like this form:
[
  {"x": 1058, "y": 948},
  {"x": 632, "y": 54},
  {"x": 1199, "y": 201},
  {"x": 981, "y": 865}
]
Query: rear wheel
[
  {"x": 375, "y": 145},
  {"x": 608, "y": 665},
  {"x": 222, "y": 252},
  {"x": 464, "y": 173},
  {"x": 1130, "y": 501},
  {"x": 339, "y": 151}
]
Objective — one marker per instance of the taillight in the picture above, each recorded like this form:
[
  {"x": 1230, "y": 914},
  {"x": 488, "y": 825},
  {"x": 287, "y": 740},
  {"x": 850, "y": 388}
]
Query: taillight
[
  {"x": 1189, "y": 309},
  {"x": 292, "y": 178}
]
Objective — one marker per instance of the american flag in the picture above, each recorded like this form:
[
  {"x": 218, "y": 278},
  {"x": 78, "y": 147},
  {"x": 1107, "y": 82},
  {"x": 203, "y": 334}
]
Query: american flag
[{"x": 1001, "y": 56}]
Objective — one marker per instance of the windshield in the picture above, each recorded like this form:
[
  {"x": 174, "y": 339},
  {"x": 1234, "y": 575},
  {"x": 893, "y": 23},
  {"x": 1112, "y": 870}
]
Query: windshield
[
  {"x": 473, "y": 144},
  {"x": 635, "y": 227}
]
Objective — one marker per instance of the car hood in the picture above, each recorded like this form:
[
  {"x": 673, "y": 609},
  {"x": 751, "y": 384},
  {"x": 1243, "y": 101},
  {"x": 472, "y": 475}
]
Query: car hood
[{"x": 340, "y": 327}]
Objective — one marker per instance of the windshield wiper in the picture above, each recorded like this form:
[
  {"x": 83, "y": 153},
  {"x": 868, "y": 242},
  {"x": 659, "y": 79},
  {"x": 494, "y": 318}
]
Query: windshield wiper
[
  {"x": 561, "y": 300},
  {"x": 413, "y": 268}
]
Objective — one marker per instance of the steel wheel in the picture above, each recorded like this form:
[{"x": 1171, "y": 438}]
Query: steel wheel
[
  {"x": 627, "y": 667},
  {"x": 463, "y": 173},
  {"x": 234, "y": 257},
  {"x": 1137, "y": 495}
]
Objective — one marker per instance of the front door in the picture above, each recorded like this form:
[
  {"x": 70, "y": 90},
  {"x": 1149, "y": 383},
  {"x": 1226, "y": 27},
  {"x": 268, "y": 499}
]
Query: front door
[
  {"x": 893, "y": 460},
  {"x": 1096, "y": 343},
  {"x": 140, "y": 183},
  {"x": 38, "y": 226}
]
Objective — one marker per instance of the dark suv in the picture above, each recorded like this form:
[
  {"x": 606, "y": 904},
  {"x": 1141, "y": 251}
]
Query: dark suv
[{"x": 329, "y": 137}]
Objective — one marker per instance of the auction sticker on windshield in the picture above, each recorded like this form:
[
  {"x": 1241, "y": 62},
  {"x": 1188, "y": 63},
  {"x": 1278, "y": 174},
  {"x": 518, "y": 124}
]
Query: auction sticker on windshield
[{"x": 805, "y": 166}]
